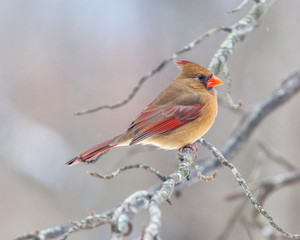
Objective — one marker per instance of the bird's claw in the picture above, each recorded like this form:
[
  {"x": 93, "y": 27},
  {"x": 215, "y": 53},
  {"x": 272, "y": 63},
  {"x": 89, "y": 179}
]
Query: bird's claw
[{"x": 192, "y": 146}]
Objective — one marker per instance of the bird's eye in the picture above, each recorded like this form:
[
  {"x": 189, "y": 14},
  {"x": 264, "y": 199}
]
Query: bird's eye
[{"x": 201, "y": 77}]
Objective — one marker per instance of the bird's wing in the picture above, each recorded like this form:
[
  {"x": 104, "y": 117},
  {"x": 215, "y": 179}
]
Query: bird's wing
[{"x": 155, "y": 120}]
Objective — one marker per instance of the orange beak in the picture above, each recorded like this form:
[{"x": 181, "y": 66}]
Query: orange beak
[{"x": 214, "y": 81}]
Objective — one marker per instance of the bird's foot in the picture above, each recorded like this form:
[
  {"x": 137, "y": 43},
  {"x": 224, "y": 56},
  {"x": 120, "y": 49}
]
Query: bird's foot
[{"x": 192, "y": 146}]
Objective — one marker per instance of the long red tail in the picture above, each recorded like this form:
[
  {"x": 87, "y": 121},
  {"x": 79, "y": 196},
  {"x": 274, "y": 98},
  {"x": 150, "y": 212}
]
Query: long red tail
[{"x": 92, "y": 152}]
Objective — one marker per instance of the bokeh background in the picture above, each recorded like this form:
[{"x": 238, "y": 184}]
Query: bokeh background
[{"x": 58, "y": 57}]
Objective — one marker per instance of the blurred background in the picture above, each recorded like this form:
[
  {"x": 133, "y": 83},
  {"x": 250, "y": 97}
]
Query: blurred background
[{"x": 58, "y": 57}]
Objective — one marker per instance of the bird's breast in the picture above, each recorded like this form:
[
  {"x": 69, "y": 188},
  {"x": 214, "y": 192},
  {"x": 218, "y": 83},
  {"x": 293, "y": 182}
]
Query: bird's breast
[{"x": 189, "y": 132}]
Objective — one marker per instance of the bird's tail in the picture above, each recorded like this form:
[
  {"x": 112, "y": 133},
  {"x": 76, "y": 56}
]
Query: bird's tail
[{"x": 92, "y": 152}]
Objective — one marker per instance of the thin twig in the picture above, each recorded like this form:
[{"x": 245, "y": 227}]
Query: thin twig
[
  {"x": 269, "y": 184},
  {"x": 164, "y": 193},
  {"x": 127, "y": 210},
  {"x": 238, "y": 34},
  {"x": 224, "y": 103},
  {"x": 186, "y": 48},
  {"x": 237, "y": 215},
  {"x": 273, "y": 154},
  {"x": 201, "y": 176},
  {"x": 228, "y": 88},
  {"x": 217, "y": 154},
  {"x": 230, "y": 223},
  {"x": 127, "y": 167},
  {"x": 246, "y": 225}
]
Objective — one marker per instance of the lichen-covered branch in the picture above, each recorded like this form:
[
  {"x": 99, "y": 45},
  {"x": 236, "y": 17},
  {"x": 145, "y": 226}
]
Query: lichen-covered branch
[
  {"x": 120, "y": 217},
  {"x": 270, "y": 184},
  {"x": 263, "y": 188},
  {"x": 237, "y": 214},
  {"x": 218, "y": 155},
  {"x": 164, "y": 193},
  {"x": 132, "y": 166},
  {"x": 228, "y": 88},
  {"x": 238, "y": 34}
]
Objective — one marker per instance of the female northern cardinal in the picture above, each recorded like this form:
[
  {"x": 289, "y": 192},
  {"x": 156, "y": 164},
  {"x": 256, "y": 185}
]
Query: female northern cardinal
[{"x": 178, "y": 117}]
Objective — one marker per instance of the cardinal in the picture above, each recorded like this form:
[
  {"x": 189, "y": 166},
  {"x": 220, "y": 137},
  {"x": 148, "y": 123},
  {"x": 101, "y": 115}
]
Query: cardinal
[{"x": 177, "y": 118}]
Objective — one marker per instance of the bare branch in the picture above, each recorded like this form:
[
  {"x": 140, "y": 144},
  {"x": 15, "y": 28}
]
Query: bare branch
[
  {"x": 126, "y": 211},
  {"x": 197, "y": 168},
  {"x": 164, "y": 193},
  {"x": 228, "y": 88},
  {"x": 186, "y": 48},
  {"x": 237, "y": 215},
  {"x": 238, "y": 34},
  {"x": 217, "y": 154},
  {"x": 264, "y": 188},
  {"x": 272, "y": 153},
  {"x": 270, "y": 184},
  {"x": 230, "y": 223},
  {"x": 132, "y": 166},
  {"x": 49, "y": 233},
  {"x": 120, "y": 218}
]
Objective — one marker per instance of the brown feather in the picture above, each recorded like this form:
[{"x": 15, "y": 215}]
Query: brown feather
[
  {"x": 185, "y": 90},
  {"x": 178, "y": 116}
]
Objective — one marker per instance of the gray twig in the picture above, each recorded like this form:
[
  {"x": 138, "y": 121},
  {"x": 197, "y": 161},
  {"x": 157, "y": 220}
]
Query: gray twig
[
  {"x": 132, "y": 166},
  {"x": 164, "y": 193},
  {"x": 273, "y": 154},
  {"x": 238, "y": 34},
  {"x": 237, "y": 215},
  {"x": 186, "y": 48},
  {"x": 228, "y": 88},
  {"x": 218, "y": 155}
]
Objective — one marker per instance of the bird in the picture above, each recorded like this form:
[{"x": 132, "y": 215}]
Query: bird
[{"x": 176, "y": 118}]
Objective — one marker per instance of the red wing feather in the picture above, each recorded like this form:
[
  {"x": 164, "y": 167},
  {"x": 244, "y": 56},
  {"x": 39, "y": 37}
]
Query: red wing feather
[{"x": 155, "y": 120}]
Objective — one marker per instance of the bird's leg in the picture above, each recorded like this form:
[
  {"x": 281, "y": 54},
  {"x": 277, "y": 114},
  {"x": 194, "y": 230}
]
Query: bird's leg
[{"x": 192, "y": 146}]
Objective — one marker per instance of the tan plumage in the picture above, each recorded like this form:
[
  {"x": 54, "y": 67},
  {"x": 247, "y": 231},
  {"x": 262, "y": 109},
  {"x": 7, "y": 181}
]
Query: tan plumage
[{"x": 178, "y": 116}]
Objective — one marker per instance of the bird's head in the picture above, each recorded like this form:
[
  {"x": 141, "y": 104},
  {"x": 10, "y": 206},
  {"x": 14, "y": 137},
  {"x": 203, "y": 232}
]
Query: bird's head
[{"x": 196, "y": 76}]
